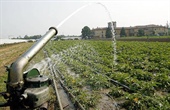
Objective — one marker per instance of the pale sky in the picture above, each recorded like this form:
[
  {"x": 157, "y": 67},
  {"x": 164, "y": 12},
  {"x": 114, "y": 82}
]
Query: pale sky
[{"x": 35, "y": 17}]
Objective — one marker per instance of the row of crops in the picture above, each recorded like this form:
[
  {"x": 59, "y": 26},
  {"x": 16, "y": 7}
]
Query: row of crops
[{"x": 88, "y": 68}]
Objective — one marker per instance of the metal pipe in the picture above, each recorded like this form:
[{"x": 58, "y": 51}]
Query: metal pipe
[{"x": 16, "y": 69}]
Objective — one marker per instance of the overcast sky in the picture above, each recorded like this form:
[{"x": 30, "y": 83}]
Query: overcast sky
[{"x": 34, "y": 17}]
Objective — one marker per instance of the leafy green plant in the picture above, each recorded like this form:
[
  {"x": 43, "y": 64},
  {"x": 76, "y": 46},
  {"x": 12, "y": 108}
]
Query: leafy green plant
[{"x": 143, "y": 67}]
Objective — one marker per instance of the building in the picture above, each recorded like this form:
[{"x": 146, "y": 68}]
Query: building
[
  {"x": 99, "y": 32},
  {"x": 148, "y": 30}
]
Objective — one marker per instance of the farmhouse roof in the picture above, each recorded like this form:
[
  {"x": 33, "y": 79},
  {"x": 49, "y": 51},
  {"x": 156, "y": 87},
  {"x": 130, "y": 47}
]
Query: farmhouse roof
[{"x": 100, "y": 28}]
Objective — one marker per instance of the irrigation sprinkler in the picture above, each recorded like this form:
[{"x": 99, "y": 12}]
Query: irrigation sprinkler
[{"x": 28, "y": 90}]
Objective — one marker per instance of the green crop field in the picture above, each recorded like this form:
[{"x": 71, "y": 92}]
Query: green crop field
[
  {"x": 88, "y": 69},
  {"x": 144, "y": 67}
]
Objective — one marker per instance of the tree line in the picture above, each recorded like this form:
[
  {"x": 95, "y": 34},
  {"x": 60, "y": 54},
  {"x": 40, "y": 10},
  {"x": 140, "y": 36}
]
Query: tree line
[
  {"x": 32, "y": 37},
  {"x": 87, "y": 33},
  {"x": 29, "y": 37},
  {"x": 139, "y": 34}
]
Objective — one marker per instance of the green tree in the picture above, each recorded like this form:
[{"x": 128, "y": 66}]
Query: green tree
[
  {"x": 141, "y": 32},
  {"x": 153, "y": 33},
  {"x": 86, "y": 32},
  {"x": 108, "y": 33},
  {"x": 122, "y": 32},
  {"x": 26, "y": 37}
]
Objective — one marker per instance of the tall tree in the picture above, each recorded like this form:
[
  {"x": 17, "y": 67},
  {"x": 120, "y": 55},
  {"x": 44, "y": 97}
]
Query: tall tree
[
  {"x": 122, "y": 32},
  {"x": 108, "y": 33},
  {"x": 26, "y": 37},
  {"x": 141, "y": 32},
  {"x": 86, "y": 32}
]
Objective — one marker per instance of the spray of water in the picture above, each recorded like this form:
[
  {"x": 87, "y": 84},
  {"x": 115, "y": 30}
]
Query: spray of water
[
  {"x": 112, "y": 27},
  {"x": 62, "y": 22},
  {"x": 113, "y": 34}
]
